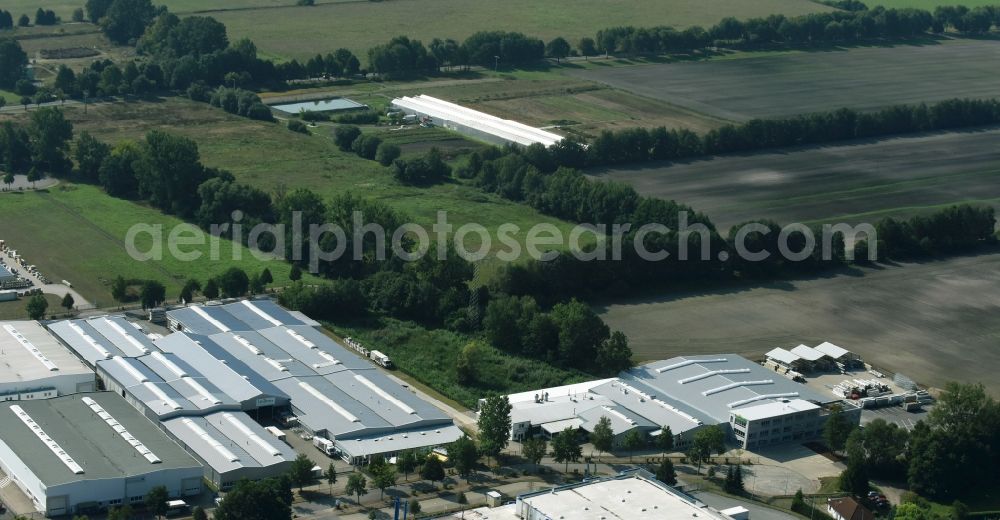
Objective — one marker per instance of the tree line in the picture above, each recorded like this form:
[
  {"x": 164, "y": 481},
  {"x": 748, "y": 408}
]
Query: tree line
[
  {"x": 161, "y": 169},
  {"x": 567, "y": 194},
  {"x": 636, "y": 145},
  {"x": 42, "y": 17}
]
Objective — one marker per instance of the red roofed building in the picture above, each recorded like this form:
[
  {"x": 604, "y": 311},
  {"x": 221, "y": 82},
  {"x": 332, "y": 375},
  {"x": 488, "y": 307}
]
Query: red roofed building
[{"x": 847, "y": 508}]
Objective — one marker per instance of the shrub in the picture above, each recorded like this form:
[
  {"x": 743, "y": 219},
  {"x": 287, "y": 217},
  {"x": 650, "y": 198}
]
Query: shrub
[
  {"x": 345, "y": 135},
  {"x": 366, "y": 117},
  {"x": 314, "y": 116},
  {"x": 298, "y": 126},
  {"x": 366, "y": 145},
  {"x": 387, "y": 153}
]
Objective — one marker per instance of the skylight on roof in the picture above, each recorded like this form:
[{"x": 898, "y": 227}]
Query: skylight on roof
[
  {"x": 121, "y": 431},
  {"x": 46, "y": 440},
  {"x": 31, "y": 348}
]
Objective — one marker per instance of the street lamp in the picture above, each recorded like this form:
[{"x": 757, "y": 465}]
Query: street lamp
[{"x": 496, "y": 65}]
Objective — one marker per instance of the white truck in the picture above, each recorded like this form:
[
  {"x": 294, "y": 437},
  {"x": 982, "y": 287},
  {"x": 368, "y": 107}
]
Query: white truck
[
  {"x": 380, "y": 358},
  {"x": 325, "y": 445},
  {"x": 278, "y": 434}
]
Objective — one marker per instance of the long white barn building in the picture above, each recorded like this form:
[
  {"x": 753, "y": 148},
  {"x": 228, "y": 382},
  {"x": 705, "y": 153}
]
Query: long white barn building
[{"x": 474, "y": 123}]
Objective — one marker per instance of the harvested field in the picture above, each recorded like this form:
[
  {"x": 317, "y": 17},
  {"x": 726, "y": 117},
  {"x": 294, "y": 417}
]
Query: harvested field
[
  {"x": 296, "y": 32},
  {"x": 787, "y": 84},
  {"x": 590, "y": 112},
  {"x": 935, "y": 322},
  {"x": 855, "y": 182}
]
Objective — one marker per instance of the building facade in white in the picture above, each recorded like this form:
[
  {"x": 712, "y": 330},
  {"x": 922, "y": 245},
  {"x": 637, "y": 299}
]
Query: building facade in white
[
  {"x": 34, "y": 365},
  {"x": 90, "y": 451}
]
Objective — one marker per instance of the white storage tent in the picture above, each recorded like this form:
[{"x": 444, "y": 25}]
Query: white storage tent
[{"x": 474, "y": 123}]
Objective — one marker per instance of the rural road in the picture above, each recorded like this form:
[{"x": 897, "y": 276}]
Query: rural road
[{"x": 21, "y": 183}]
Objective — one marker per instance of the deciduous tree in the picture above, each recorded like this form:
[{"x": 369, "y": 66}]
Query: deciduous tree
[
  {"x": 494, "y": 425},
  {"x": 566, "y": 447}
]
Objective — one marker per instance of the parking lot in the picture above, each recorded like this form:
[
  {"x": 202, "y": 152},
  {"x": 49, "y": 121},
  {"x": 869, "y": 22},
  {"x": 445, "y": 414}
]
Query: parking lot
[
  {"x": 894, "y": 415},
  {"x": 824, "y": 384}
]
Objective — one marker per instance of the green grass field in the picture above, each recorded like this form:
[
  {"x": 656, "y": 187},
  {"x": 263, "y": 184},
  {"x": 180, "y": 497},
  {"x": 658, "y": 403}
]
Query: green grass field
[
  {"x": 16, "y": 310},
  {"x": 267, "y": 155},
  {"x": 64, "y": 8},
  {"x": 289, "y": 32},
  {"x": 78, "y": 233},
  {"x": 928, "y": 4},
  {"x": 428, "y": 355}
]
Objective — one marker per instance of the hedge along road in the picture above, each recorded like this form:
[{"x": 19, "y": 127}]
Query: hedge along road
[
  {"x": 860, "y": 181},
  {"x": 787, "y": 84}
]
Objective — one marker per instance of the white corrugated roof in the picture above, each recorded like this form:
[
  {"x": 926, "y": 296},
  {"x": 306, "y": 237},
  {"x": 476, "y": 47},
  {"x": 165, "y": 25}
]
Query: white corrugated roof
[
  {"x": 504, "y": 128},
  {"x": 831, "y": 350},
  {"x": 782, "y": 355},
  {"x": 807, "y": 353},
  {"x": 775, "y": 409}
]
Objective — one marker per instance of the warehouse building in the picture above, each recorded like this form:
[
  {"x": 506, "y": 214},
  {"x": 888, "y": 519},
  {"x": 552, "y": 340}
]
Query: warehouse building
[
  {"x": 231, "y": 446},
  {"x": 685, "y": 393},
  {"x": 162, "y": 386},
  {"x": 628, "y": 405},
  {"x": 473, "y": 123},
  {"x": 34, "y": 365},
  {"x": 88, "y": 451},
  {"x": 333, "y": 392},
  {"x": 256, "y": 395},
  {"x": 103, "y": 338},
  {"x": 632, "y": 495},
  {"x": 174, "y": 381},
  {"x": 759, "y": 408}
]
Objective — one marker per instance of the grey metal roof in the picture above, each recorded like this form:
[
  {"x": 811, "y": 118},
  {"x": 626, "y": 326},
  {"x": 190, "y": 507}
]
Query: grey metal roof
[
  {"x": 28, "y": 352},
  {"x": 88, "y": 439},
  {"x": 331, "y": 388},
  {"x": 399, "y": 440},
  {"x": 337, "y": 357},
  {"x": 221, "y": 440},
  {"x": 85, "y": 341},
  {"x": 261, "y": 314},
  {"x": 231, "y": 376},
  {"x": 206, "y": 320},
  {"x": 349, "y": 407},
  {"x": 122, "y": 334},
  {"x": 152, "y": 379},
  {"x": 622, "y": 419},
  {"x": 718, "y": 384},
  {"x": 261, "y": 355},
  {"x": 643, "y": 401},
  {"x": 4, "y": 272}
]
